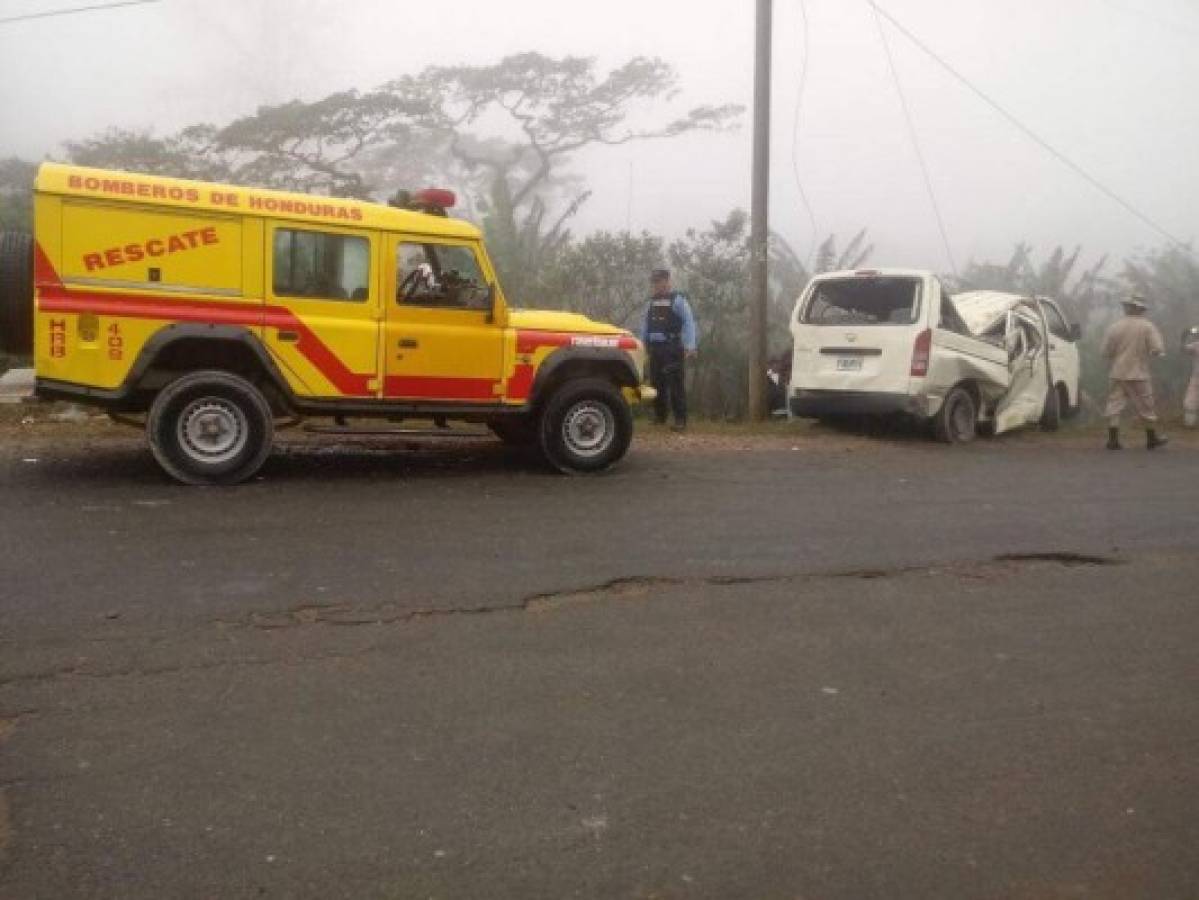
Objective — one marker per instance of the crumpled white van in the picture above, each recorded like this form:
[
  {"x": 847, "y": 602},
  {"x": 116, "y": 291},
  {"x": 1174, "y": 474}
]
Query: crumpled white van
[{"x": 886, "y": 341}]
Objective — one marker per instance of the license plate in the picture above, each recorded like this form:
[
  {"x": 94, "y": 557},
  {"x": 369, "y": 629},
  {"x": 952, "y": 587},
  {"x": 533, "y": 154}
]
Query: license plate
[{"x": 849, "y": 363}]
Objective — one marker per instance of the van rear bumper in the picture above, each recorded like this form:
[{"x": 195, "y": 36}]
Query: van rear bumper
[{"x": 821, "y": 404}]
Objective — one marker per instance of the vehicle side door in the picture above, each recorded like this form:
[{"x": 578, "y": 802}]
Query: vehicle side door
[
  {"x": 441, "y": 340},
  {"x": 1063, "y": 349},
  {"x": 322, "y": 313},
  {"x": 1025, "y": 340}
]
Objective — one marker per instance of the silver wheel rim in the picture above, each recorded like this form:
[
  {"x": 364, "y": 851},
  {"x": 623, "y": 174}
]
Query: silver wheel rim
[
  {"x": 212, "y": 430},
  {"x": 588, "y": 429},
  {"x": 961, "y": 419}
]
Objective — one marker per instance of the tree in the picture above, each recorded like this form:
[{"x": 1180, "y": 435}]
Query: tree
[
  {"x": 510, "y": 128},
  {"x": 604, "y": 276}
]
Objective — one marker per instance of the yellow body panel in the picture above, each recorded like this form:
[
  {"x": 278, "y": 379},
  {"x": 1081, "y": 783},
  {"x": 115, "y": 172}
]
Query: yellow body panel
[{"x": 121, "y": 258}]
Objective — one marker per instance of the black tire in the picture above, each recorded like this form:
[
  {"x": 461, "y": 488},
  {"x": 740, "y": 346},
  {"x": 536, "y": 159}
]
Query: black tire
[
  {"x": 957, "y": 420},
  {"x": 1051, "y": 412},
  {"x": 585, "y": 426},
  {"x": 219, "y": 409},
  {"x": 16, "y": 293},
  {"x": 515, "y": 431},
  {"x": 1067, "y": 410}
]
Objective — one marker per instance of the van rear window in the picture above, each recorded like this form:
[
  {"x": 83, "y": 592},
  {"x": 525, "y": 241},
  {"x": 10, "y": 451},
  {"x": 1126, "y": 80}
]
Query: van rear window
[{"x": 864, "y": 301}]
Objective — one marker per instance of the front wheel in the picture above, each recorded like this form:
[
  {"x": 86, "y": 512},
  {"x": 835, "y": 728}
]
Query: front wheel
[
  {"x": 586, "y": 426},
  {"x": 957, "y": 420},
  {"x": 210, "y": 428},
  {"x": 1051, "y": 412}
]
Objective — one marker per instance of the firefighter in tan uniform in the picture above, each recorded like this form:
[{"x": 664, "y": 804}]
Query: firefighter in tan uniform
[
  {"x": 1128, "y": 346},
  {"x": 1190, "y": 402}
]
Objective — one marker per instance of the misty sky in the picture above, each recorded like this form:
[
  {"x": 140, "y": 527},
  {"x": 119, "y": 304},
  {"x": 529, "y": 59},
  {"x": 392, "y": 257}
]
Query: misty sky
[{"x": 1109, "y": 82}]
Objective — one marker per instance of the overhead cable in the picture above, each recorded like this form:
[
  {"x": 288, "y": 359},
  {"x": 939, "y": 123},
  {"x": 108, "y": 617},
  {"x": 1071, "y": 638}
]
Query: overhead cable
[
  {"x": 77, "y": 9},
  {"x": 799, "y": 97},
  {"x": 907, "y": 115},
  {"x": 1028, "y": 132}
]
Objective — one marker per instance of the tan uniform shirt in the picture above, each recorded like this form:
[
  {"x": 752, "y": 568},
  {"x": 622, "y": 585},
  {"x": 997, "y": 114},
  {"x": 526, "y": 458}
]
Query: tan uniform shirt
[{"x": 1128, "y": 344}]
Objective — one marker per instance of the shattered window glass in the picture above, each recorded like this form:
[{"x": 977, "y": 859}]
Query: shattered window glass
[{"x": 864, "y": 301}]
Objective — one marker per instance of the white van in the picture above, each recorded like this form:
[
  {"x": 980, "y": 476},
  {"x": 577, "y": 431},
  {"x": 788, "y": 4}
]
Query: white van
[{"x": 885, "y": 341}]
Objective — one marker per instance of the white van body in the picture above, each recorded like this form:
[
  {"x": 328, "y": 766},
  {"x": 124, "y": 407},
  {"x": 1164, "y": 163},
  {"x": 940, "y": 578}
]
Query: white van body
[{"x": 883, "y": 341}]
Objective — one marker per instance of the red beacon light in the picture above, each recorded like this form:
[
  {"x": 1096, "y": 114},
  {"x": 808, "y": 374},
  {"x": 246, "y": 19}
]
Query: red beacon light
[{"x": 433, "y": 200}]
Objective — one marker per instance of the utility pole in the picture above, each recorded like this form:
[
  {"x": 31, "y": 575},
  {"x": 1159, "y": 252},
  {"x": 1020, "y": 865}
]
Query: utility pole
[{"x": 758, "y": 218}]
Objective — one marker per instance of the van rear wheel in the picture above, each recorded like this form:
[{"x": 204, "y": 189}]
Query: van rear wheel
[
  {"x": 210, "y": 428},
  {"x": 957, "y": 420}
]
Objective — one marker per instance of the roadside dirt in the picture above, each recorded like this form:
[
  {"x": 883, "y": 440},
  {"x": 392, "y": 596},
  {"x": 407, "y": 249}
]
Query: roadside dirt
[{"x": 32, "y": 430}]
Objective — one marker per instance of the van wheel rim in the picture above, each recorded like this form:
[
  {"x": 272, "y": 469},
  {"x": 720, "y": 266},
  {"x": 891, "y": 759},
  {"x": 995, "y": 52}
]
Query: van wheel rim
[
  {"x": 212, "y": 430},
  {"x": 588, "y": 429}
]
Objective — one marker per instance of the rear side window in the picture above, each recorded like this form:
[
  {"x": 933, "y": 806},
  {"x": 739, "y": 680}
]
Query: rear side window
[
  {"x": 321, "y": 265},
  {"x": 864, "y": 301}
]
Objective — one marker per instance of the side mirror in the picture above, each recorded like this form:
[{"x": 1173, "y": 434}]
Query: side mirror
[{"x": 1075, "y": 331}]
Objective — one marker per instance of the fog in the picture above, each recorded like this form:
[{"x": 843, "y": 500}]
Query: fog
[{"x": 1110, "y": 84}]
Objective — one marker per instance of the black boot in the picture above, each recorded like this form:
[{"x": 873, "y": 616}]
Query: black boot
[
  {"x": 1153, "y": 441},
  {"x": 1113, "y": 439}
]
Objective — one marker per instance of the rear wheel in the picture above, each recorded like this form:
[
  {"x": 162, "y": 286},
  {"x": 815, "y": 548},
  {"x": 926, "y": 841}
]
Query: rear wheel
[
  {"x": 210, "y": 428},
  {"x": 585, "y": 426},
  {"x": 16, "y": 293},
  {"x": 957, "y": 420}
]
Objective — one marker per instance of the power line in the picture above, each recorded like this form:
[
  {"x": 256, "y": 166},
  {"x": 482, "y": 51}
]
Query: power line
[
  {"x": 803, "y": 195},
  {"x": 907, "y": 115},
  {"x": 77, "y": 9},
  {"x": 1028, "y": 132}
]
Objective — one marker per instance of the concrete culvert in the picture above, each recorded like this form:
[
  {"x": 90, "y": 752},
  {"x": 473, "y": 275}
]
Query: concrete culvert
[{"x": 16, "y": 293}]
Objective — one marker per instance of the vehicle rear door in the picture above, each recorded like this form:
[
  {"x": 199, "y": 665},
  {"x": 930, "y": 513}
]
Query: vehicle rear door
[
  {"x": 857, "y": 333},
  {"x": 322, "y": 313}
]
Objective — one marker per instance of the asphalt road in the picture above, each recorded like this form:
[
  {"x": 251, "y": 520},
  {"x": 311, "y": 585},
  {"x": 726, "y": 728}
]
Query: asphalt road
[{"x": 727, "y": 669}]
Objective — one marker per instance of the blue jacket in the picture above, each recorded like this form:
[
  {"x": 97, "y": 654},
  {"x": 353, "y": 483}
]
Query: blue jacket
[{"x": 683, "y": 310}]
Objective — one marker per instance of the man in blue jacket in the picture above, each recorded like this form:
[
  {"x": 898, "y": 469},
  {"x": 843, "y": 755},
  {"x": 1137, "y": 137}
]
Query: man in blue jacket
[{"x": 669, "y": 336}]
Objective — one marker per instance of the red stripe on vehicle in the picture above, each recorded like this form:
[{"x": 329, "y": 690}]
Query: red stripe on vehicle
[{"x": 437, "y": 388}]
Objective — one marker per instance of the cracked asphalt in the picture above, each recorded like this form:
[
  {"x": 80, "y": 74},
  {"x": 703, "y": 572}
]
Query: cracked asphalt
[{"x": 796, "y": 666}]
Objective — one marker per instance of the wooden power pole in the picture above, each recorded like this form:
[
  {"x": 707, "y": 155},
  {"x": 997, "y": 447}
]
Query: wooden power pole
[{"x": 758, "y": 216}]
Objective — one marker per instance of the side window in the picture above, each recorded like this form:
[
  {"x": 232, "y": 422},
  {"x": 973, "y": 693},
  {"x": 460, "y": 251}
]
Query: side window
[
  {"x": 321, "y": 265},
  {"x": 1057, "y": 324},
  {"x": 445, "y": 275}
]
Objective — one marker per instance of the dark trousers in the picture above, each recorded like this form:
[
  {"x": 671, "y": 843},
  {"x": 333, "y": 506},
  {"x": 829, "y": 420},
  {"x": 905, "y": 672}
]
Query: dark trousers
[{"x": 666, "y": 375}]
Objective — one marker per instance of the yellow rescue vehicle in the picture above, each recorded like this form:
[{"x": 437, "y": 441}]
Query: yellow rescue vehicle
[{"x": 215, "y": 310}]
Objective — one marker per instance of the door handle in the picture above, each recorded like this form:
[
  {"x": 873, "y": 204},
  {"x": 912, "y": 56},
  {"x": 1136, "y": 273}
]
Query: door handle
[
  {"x": 409, "y": 343},
  {"x": 290, "y": 336}
]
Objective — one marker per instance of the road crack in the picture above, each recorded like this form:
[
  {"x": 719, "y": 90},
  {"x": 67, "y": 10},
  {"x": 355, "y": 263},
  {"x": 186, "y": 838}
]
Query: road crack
[{"x": 629, "y": 587}]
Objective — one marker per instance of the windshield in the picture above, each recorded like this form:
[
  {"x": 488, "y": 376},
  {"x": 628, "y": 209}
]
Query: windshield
[{"x": 864, "y": 301}]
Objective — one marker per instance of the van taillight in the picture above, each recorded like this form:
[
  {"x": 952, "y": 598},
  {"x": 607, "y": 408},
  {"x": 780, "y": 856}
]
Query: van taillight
[{"x": 920, "y": 352}]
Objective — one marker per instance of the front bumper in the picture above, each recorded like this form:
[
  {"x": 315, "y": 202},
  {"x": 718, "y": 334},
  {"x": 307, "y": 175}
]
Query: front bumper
[
  {"x": 830, "y": 404},
  {"x": 640, "y": 394}
]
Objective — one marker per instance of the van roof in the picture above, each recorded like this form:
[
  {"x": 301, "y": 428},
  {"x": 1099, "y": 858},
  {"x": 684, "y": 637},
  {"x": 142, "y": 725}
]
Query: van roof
[
  {"x": 873, "y": 272},
  {"x": 178, "y": 193}
]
